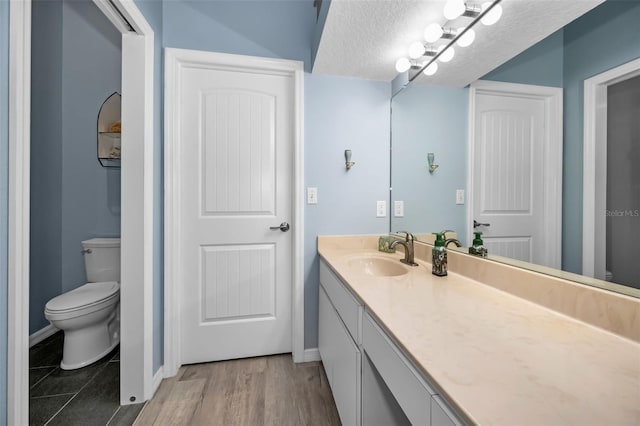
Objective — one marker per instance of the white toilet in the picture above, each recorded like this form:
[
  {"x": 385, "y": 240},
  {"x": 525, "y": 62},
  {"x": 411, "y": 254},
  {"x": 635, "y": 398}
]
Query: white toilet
[{"x": 90, "y": 314}]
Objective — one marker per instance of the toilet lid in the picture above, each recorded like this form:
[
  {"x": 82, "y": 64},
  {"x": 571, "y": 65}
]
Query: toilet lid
[{"x": 88, "y": 294}]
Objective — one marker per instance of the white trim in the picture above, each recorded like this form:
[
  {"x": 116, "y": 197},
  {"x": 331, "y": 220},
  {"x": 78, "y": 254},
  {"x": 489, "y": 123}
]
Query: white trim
[
  {"x": 42, "y": 334},
  {"x": 312, "y": 354},
  {"x": 19, "y": 193},
  {"x": 552, "y": 96},
  {"x": 174, "y": 60},
  {"x": 108, "y": 9},
  {"x": 157, "y": 380},
  {"x": 136, "y": 359},
  {"x": 594, "y": 170},
  {"x": 298, "y": 321}
]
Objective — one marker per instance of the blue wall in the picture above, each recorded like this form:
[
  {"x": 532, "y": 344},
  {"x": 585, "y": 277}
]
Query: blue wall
[
  {"x": 46, "y": 159},
  {"x": 152, "y": 11},
  {"x": 4, "y": 194},
  {"x": 276, "y": 29},
  {"x": 429, "y": 119},
  {"x": 342, "y": 113},
  {"x": 74, "y": 198},
  {"x": 541, "y": 64}
]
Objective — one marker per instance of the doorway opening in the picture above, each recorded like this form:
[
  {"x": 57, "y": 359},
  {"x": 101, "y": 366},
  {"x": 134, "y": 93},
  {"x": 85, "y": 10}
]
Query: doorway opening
[
  {"x": 136, "y": 209},
  {"x": 605, "y": 204}
]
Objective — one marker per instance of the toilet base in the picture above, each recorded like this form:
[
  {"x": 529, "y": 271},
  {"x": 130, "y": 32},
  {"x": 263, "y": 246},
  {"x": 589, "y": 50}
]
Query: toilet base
[
  {"x": 90, "y": 360},
  {"x": 85, "y": 344}
]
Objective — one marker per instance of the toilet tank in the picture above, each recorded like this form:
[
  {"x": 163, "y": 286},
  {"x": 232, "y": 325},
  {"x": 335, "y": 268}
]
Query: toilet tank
[{"x": 102, "y": 259}]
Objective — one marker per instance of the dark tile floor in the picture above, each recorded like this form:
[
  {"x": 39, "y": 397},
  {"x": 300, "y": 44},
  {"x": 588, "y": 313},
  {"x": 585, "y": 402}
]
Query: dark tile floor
[{"x": 87, "y": 396}]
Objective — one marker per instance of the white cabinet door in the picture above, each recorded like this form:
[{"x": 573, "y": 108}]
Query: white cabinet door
[
  {"x": 234, "y": 137},
  {"x": 342, "y": 362}
]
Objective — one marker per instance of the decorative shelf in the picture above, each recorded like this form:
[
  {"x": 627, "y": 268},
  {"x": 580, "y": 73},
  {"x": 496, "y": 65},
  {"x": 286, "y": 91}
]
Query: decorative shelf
[{"x": 109, "y": 141}]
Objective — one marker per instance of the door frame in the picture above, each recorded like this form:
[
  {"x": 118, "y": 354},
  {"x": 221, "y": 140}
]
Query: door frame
[
  {"x": 552, "y": 154},
  {"x": 175, "y": 61},
  {"x": 136, "y": 209},
  {"x": 594, "y": 169}
]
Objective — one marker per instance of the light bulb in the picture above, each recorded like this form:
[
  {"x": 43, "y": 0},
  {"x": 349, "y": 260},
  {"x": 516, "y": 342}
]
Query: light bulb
[
  {"x": 403, "y": 64},
  {"x": 447, "y": 55},
  {"x": 494, "y": 14},
  {"x": 431, "y": 69},
  {"x": 433, "y": 32},
  {"x": 453, "y": 9},
  {"x": 416, "y": 49},
  {"x": 467, "y": 38}
]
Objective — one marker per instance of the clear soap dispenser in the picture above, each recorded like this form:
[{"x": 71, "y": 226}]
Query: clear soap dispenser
[
  {"x": 478, "y": 249},
  {"x": 439, "y": 256}
]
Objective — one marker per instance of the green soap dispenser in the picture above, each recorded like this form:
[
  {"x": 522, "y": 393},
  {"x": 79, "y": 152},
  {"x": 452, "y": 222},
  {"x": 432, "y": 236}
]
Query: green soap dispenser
[
  {"x": 478, "y": 249},
  {"x": 439, "y": 256}
]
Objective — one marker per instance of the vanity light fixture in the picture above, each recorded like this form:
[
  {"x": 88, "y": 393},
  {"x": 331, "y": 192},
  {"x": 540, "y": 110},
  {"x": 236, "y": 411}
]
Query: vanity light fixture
[
  {"x": 468, "y": 37},
  {"x": 347, "y": 159},
  {"x": 431, "y": 160},
  {"x": 403, "y": 64},
  {"x": 433, "y": 32},
  {"x": 453, "y": 9},
  {"x": 416, "y": 50},
  {"x": 492, "y": 16},
  {"x": 447, "y": 53},
  {"x": 488, "y": 13}
]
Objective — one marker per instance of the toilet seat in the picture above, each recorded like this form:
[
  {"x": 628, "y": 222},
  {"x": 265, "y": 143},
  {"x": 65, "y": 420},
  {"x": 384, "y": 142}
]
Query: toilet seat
[{"x": 90, "y": 296}]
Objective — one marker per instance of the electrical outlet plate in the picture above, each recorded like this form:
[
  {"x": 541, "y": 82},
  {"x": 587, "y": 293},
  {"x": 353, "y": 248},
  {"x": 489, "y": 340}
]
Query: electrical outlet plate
[
  {"x": 459, "y": 196},
  {"x": 381, "y": 209},
  {"x": 398, "y": 208},
  {"x": 312, "y": 195}
]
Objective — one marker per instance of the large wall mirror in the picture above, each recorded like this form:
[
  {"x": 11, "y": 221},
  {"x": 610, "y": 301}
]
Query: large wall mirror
[{"x": 514, "y": 143}]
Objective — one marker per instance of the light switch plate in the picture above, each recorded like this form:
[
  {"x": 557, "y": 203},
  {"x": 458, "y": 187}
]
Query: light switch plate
[
  {"x": 459, "y": 196},
  {"x": 398, "y": 208},
  {"x": 381, "y": 209},
  {"x": 312, "y": 195}
]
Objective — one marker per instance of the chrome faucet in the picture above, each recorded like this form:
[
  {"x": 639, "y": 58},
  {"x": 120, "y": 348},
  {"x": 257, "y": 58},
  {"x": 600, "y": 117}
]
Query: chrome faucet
[
  {"x": 448, "y": 241},
  {"x": 408, "y": 248},
  {"x": 452, "y": 240}
]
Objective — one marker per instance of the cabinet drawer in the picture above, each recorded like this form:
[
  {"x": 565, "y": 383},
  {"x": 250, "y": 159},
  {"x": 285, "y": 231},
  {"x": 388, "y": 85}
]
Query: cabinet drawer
[
  {"x": 342, "y": 362},
  {"x": 405, "y": 383},
  {"x": 349, "y": 309}
]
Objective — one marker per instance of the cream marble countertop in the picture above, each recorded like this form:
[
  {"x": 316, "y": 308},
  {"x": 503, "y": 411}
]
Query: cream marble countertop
[{"x": 497, "y": 358}]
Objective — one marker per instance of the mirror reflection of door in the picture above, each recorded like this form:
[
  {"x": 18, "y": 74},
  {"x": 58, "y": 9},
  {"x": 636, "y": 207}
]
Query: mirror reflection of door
[
  {"x": 514, "y": 188},
  {"x": 623, "y": 182}
]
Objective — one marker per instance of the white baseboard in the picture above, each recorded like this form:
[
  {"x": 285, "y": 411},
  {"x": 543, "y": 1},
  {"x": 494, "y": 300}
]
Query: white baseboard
[
  {"x": 312, "y": 354},
  {"x": 157, "y": 379},
  {"x": 42, "y": 334}
]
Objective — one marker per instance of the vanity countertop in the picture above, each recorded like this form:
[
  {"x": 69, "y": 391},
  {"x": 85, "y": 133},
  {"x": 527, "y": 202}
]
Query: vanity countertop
[{"x": 497, "y": 358}]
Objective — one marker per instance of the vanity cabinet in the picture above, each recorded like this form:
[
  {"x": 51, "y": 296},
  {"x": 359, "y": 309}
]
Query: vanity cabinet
[
  {"x": 372, "y": 381},
  {"x": 338, "y": 348}
]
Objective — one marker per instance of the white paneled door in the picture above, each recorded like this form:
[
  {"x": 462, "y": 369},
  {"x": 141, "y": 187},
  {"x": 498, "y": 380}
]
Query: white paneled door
[
  {"x": 235, "y": 132},
  {"x": 511, "y": 175}
]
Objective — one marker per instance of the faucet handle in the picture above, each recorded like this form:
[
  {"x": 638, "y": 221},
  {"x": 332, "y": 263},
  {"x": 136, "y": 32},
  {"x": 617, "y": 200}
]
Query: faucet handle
[
  {"x": 408, "y": 235},
  {"x": 444, "y": 233}
]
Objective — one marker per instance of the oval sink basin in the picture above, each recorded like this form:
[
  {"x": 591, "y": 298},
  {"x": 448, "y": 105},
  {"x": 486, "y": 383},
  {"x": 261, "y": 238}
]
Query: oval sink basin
[{"x": 377, "y": 266}]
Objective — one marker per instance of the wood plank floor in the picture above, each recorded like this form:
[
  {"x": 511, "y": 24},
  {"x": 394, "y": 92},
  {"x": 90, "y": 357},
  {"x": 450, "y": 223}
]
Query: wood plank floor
[{"x": 254, "y": 391}]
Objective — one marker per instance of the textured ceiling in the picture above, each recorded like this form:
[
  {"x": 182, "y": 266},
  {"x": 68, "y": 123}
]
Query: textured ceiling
[{"x": 364, "y": 38}]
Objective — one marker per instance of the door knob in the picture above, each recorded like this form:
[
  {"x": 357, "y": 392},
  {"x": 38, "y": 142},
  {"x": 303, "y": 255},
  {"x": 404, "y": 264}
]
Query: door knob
[
  {"x": 284, "y": 227},
  {"x": 476, "y": 224}
]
